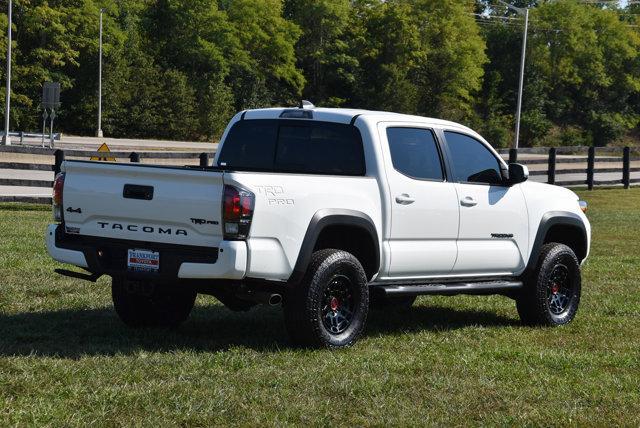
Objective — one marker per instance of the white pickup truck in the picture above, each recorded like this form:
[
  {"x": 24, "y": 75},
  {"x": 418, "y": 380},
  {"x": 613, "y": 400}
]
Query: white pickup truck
[{"x": 325, "y": 211}]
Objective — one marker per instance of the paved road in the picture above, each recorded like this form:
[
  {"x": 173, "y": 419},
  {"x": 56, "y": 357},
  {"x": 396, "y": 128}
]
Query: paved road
[{"x": 89, "y": 143}]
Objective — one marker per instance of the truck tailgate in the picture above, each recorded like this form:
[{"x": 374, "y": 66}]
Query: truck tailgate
[{"x": 143, "y": 203}]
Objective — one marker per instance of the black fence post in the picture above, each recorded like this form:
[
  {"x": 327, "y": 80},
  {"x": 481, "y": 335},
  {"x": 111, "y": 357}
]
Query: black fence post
[
  {"x": 551, "y": 171},
  {"x": 591, "y": 161},
  {"x": 59, "y": 158},
  {"x": 134, "y": 157},
  {"x": 626, "y": 167},
  {"x": 204, "y": 160},
  {"x": 513, "y": 155}
]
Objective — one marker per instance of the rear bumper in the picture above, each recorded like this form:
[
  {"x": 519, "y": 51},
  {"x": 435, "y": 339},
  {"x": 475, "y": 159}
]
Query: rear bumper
[
  {"x": 231, "y": 263},
  {"x": 108, "y": 257},
  {"x": 63, "y": 255}
]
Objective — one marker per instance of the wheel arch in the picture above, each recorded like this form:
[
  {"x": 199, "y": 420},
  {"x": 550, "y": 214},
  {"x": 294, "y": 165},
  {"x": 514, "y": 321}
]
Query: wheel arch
[
  {"x": 563, "y": 227},
  {"x": 334, "y": 228}
]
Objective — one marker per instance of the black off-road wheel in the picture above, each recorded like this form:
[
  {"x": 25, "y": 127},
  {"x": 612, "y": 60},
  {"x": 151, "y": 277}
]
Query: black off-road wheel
[
  {"x": 551, "y": 294},
  {"x": 145, "y": 304},
  {"x": 329, "y": 307}
]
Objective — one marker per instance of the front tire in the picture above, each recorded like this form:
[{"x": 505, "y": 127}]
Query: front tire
[
  {"x": 552, "y": 292},
  {"x": 145, "y": 304},
  {"x": 329, "y": 307}
]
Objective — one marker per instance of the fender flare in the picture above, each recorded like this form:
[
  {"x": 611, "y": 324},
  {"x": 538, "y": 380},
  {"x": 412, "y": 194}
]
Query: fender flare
[
  {"x": 332, "y": 217},
  {"x": 549, "y": 220}
]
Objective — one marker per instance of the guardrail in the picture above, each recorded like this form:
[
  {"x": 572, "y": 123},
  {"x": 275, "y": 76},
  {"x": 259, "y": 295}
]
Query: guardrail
[
  {"x": 23, "y": 135},
  {"x": 553, "y": 172}
]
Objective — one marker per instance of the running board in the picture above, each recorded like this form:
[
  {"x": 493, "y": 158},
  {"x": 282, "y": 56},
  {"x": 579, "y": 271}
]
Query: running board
[{"x": 448, "y": 289}]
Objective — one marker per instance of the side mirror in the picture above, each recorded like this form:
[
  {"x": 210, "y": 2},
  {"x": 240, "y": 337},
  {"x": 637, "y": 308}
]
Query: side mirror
[{"x": 518, "y": 173}]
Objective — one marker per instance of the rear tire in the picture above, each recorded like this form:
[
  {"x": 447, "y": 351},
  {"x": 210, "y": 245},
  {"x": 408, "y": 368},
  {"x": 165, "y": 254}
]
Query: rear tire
[
  {"x": 145, "y": 304},
  {"x": 329, "y": 307},
  {"x": 551, "y": 294}
]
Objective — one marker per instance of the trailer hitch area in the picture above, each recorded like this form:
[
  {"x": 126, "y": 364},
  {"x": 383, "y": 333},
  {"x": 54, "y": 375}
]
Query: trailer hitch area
[{"x": 91, "y": 277}]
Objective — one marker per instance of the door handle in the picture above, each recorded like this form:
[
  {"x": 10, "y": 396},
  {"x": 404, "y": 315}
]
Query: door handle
[
  {"x": 468, "y": 201},
  {"x": 404, "y": 199}
]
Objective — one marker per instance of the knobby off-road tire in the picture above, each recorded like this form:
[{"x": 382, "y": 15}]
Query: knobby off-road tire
[
  {"x": 329, "y": 307},
  {"x": 143, "y": 304},
  {"x": 551, "y": 293}
]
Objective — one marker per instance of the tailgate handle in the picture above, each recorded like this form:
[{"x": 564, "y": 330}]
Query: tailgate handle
[{"x": 135, "y": 191}]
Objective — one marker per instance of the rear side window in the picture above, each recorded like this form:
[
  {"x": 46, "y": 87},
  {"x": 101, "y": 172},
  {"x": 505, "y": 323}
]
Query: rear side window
[
  {"x": 472, "y": 162},
  {"x": 414, "y": 152},
  {"x": 295, "y": 146}
]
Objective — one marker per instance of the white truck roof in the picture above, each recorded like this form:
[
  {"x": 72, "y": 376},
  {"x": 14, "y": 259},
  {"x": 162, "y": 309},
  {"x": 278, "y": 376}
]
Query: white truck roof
[{"x": 345, "y": 115}]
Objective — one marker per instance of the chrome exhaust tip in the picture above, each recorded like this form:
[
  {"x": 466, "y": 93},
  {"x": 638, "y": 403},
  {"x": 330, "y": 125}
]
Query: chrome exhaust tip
[{"x": 275, "y": 299}]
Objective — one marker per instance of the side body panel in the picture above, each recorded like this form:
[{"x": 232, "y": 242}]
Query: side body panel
[
  {"x": 284, "y": 208},
  {"x": 422, "y": 236},
  {"x": 545, "y": 202},
  {"x": 494, "y": 232}
]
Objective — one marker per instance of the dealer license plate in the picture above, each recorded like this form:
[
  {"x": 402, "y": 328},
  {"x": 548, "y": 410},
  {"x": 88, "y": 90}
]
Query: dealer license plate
[{"x": 143, "y": 261}]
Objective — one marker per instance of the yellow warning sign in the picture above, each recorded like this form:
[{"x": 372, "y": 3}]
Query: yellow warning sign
[{"x": 103, "y": 149}]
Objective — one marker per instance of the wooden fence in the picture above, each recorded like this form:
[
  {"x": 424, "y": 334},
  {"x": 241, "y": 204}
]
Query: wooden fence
[
  {"x": 624, "y": 159},
  {"x": 58, "y": 156},
  {"x": 556, "y": 166}
]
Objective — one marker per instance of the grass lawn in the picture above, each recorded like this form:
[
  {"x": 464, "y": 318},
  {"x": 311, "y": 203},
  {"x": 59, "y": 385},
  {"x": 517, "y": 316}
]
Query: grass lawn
[{"x": 65, "y": 358}]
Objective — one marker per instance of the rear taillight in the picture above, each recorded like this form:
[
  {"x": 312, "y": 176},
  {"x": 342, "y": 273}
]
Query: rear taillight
[
  {"x": 58, "y": 186},
  {"x": 237, "y": 212}
]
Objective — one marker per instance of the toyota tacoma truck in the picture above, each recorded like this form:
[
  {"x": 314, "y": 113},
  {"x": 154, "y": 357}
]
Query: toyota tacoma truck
[{"x": 326, "y": 212}]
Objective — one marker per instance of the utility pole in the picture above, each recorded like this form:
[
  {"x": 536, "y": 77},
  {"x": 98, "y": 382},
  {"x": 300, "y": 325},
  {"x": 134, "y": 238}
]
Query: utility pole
[
  {"x": 7, "y": 139},
  {"x": 522, "y": 59},
  {"x": 525, "y": 12},
  {"x": 99, "y": 133}
]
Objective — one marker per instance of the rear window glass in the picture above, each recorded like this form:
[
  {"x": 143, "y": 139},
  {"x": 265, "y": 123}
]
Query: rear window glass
[{"x": 294, "y": 146}]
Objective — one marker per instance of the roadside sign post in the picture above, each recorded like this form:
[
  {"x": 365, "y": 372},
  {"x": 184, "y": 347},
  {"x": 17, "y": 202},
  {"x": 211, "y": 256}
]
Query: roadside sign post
[
  {"x": 45, "y": 115},
  {"x": 51, "y": 100},
  {"x": 53, "y": 116}
]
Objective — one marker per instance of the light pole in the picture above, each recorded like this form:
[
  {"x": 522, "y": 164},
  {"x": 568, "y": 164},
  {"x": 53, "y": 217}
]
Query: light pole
[
  {"x": 525, "y": 12},
  {"x": 99, "y": 133},
  {"x": 7, "y": 139}
]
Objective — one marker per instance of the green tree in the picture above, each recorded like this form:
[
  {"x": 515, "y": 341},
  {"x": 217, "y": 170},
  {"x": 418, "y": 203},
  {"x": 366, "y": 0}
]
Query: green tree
[
  {"x": 449, "y": 76},
  {"x": 263, "y": 69},
  {"x": 323, "y": 52},
  {"x": 195, "y": 38},
  {"x": 589, "y": 61},
  {"x": 386, "y": 41}
]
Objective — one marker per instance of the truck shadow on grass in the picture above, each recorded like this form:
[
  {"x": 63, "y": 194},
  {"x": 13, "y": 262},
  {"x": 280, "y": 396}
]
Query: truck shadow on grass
[{"x": 75, "y": 333}]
